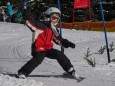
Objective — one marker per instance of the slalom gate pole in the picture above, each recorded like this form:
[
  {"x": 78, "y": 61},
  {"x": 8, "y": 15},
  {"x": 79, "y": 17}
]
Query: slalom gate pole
[
  {"x": 104, "y": 26},
  {"x": 73, "y": 13},
  {"x": 62, "y": 49}
]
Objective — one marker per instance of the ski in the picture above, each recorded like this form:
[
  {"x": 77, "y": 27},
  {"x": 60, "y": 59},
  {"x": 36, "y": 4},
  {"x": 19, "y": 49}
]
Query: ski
[{"x": 71, "y": 77}]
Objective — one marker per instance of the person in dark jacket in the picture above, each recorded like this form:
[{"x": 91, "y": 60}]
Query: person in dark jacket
[{"x": 43, "y": 34}]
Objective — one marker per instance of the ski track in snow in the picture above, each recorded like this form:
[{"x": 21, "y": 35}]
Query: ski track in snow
[
  {"x": 6, "y": 80},
  {"x": 15, "y": 51},
  {"x": 12, "y": 45}
]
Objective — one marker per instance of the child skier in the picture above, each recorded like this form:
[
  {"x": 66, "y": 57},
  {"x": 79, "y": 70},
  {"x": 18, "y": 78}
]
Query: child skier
[{"x": 42, "y": 46}]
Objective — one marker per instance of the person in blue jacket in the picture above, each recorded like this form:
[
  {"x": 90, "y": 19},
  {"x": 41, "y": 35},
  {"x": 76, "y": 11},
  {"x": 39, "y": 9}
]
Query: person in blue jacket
[{"x": 9, "y": 11}]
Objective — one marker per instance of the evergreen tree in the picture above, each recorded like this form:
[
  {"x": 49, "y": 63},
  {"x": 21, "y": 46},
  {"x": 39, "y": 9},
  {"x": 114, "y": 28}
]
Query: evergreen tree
[{"x": 36, "y": 7}]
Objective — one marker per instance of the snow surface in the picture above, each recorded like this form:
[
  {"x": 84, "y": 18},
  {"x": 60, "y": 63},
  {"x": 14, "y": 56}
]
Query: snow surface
[{"x": 15, "y": 51}]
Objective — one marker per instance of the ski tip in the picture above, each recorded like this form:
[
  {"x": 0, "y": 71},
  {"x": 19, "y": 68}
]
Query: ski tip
[{"x": 80, "y": 79}]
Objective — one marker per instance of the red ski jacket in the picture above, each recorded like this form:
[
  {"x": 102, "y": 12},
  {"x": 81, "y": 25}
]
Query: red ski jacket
[{"x": 42, "y": 36}]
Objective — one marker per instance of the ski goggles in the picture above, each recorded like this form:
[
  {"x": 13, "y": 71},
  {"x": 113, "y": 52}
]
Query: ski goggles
[{"x": 55, "y": 16}]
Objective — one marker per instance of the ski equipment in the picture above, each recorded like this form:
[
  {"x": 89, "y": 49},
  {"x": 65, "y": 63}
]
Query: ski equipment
[
  {"x": 74, "y": 76},
  {"x": 51, "y": 10}
]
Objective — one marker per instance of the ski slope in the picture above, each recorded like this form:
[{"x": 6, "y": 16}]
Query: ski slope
[{"x": 15, "y": 51}]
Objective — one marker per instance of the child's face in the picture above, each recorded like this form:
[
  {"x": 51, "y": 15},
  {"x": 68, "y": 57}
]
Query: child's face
[{"x": 55, "y": 18}]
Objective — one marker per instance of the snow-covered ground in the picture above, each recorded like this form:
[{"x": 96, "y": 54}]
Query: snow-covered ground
[{"x": 15, "y": 51}]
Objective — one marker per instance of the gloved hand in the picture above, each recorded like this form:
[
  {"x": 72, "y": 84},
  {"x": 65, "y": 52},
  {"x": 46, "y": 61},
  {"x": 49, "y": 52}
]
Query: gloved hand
[{"x": 65, "y": 43}]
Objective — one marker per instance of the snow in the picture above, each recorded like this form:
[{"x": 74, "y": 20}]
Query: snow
[
  {"x": 6, "y": 80},
  {"x": 15, "y": 51}
]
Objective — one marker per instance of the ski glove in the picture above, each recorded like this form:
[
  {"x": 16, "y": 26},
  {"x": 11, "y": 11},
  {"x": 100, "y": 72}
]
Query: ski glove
[{"x": 65, "y": 43}]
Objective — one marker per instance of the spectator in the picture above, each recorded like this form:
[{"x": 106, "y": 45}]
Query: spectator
[
  {"x": 9, "y": 11},
  {"x": 0, "y": 13},
  {"x": 3, "y": 14},
  {"x": 19, "y": 17}
]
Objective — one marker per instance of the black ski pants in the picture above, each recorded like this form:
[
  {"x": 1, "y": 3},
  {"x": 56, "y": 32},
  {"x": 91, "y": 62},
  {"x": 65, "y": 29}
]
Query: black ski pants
[{"x": 38, "y": 57}]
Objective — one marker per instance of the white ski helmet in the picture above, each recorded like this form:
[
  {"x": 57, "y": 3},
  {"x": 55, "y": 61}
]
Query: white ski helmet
[{"x": 51, "y": 10}]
